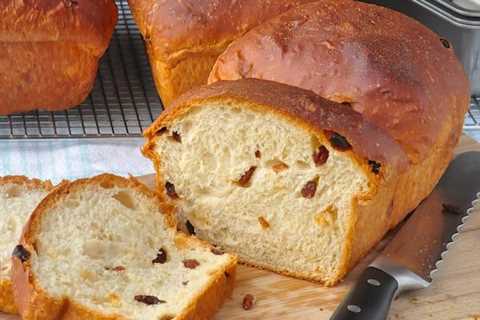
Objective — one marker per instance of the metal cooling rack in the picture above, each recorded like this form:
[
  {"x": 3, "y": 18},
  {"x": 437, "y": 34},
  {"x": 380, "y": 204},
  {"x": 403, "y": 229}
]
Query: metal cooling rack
[
  {"x": 122, "y": 104},
  {"x": 472, "y": 119}
]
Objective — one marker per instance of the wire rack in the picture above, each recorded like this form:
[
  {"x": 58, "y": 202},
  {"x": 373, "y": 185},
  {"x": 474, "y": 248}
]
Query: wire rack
[
  {"x": 472, "y": 119},
  {"x": 122, "y": 104}
]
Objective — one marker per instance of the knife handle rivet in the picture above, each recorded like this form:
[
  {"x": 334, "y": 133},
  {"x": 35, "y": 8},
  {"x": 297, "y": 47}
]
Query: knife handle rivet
[
  {"x": 374, "y": 282},
  {"x": 354, "y": 308}
]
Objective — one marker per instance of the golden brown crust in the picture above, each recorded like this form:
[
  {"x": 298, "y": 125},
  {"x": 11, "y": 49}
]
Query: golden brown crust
[
  {"x": 50, "y": 53},
  {"x": 35, "y": 304},
  {"x": 184, "y": 38},
  {"x": 389, "y": 67},
  {"x": 88, "y": 22},
  {"x": 7, "y": 303},
  {"x": 298, "y": 106}
]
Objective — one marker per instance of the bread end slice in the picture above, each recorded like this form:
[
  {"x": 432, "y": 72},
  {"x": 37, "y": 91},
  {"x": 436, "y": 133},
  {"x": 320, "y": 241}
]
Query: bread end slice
[
  {"x": 287, "y": 180},
  {"x": 18, "y": 197},
  {"x": 107, "y": 248}
]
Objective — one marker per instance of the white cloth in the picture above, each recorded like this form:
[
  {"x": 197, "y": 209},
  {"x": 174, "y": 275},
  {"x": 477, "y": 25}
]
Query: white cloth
[{"x": 73, "y": 158}]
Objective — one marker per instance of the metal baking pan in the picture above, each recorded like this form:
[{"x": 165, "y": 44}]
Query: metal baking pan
[{"x": 458, "y": 21}]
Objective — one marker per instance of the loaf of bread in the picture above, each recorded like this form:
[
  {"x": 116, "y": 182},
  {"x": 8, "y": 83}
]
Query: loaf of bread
[
  {"x": 105, "y": 248},
  {"x": 287, "y": 180},
  {"x": 50, "y": 51},
  {"x": 184, "y": 38},
  {"x": 18, "y": 197},
  {"x": 394, "y": 71}
]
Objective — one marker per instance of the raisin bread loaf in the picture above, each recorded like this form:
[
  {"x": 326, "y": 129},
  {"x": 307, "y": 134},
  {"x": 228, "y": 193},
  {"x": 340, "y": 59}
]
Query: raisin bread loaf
[
  {"x": 50, "y": 51},
  {"x": 287, "y": 180},
  {"x": 105, "y": 248},
  {"x": 394, "y": 71},
  {"x": 184, "y": 38},
  {"x": 18, "y": 197}
]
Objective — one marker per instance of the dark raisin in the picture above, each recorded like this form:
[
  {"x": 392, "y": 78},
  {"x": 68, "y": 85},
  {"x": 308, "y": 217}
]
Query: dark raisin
[
  {"x": 190, "y": 227},
  {"x": 161, "y": 131},
  {"x": 170, "y": 187},
  {"x": 264, "y": 223},
  {"x": 448, "y": 208},
  {"x": 375, "y": 166},
  {"x": 117, "y": 268},
  {"x": 309, "y": 189},
  {"x": 191, "y": 263},
  {"x": 258, "y": 154},
  {"x": 176, "y": 136},
  {"x": 217, "y": 251},
  {"x": 149, "y": 300},
  {"x": 185, "y": 283},
  {"x": 21, "y": 253},
  {"x": 320, "y": 156},
  {"x": 248, "y": 302},
  {"x": 445, "y": 43},
  {"x": 246, "y": 177},
  {"x": 227, "y": 275},
  {"x": 338, "y": 141},
  {"x": 161, "y": 257}
]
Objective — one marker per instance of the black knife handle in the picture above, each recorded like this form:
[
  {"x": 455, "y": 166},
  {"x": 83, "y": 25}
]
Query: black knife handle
[{"x": 370, "y": 299}]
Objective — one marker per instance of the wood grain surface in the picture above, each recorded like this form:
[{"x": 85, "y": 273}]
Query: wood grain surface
[{"x": 454, "y": 294}]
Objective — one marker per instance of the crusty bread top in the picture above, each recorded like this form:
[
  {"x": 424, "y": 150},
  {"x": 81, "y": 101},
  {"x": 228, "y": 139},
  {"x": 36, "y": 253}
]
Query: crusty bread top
[
  {"x": 86, "y": 21},
  {"x": 189, "y": 24},
  {"x": 298, "y": 105},
  {"x": 26, "y": 182},
  {"x": 391, "y": 68}
]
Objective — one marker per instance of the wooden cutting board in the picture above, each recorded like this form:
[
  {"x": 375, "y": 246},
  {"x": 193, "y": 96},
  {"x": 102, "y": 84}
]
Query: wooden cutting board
[{"x": 454, "y": 294}]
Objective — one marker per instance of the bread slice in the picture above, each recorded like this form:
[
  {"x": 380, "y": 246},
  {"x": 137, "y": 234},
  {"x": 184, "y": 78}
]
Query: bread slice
[
  {"x": 18, "y": 197},
  {"x": 287, "y": 180},
  {"x": 105, "y": 248}
]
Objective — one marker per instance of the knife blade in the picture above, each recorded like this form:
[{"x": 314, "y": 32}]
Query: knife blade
[{"x": 417, "y": 249}]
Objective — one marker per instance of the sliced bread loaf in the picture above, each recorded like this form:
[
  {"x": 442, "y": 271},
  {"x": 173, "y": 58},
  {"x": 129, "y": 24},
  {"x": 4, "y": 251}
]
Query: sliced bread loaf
[
  {"x": 105, "y": 248},
  {"x": 18, "y": 197},
  {"x": 289, "y": 181}
]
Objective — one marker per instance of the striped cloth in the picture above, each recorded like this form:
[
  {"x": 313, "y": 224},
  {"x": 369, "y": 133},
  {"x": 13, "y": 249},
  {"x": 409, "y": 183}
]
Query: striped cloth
[{"x": 71, "y": 159}]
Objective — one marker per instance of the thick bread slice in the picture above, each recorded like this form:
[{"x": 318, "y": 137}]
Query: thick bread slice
[
  {"x": 105, "y": 248},
  {"x": 287, "y": 180},
  {"x": 18, "y": 197}
]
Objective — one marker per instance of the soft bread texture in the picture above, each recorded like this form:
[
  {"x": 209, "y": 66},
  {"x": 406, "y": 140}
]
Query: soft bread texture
[
  {"x": 18, "y": 197},
  {"x": 92, "y": 248},
  {"x": 184, "y": 38},
  {"x": 390, "y": 68},
  {"x": 207, "y": 143},
  {"x": 50, "y": 51}
]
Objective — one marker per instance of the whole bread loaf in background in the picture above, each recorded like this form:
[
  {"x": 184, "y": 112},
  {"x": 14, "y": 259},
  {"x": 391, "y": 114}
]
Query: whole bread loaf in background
[
  {"x": 184, "y": 38},
  {"x": 50, "y": 51},
  {"x": 394, "y": 71},
  {"x": 287, "y": 180}
]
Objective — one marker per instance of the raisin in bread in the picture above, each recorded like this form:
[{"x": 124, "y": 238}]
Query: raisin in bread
[
  {"x": 105, "y": 248},
  {"x": 18, "y": 197},
  {"x": 287, "y": 180},
  {"x": 185, "y": 38},
  {"x": 393, "y": 70}
]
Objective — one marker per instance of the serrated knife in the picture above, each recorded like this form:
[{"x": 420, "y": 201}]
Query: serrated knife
[{"x": 415, "y": 252}]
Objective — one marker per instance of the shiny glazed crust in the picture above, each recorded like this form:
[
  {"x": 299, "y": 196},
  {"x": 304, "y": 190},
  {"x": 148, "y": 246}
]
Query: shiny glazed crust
[
  {"x": 36, "y": 304},
  {"x": 7, "y": 303},
  {"x": 304, "y": 108},
  {"x": 184, "y": 38},
  {"x": 390, "y": 68},
  {"x": 50, "y": 51}
]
